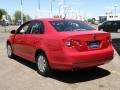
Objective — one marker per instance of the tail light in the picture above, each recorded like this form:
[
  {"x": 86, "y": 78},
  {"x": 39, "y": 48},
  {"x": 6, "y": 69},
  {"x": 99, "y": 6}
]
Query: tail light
[
  {"x": 72, "y": 43},
  {"x": 109, "y": 39},
  {"x": 69, "y": 43}
]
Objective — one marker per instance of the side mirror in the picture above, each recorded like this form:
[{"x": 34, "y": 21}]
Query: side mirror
[{"x": 13, "y": 31}]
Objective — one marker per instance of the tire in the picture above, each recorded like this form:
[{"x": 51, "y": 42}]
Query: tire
[
  {"x": 105, "y": 30},
  {"x": 10, "y": 51},
  {"x": 99, "y": 28},
  {"x": 42, "y": 65},
  {"x": 118, "y": 30}
]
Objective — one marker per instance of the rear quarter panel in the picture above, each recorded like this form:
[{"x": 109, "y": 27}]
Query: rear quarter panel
[{"x": 52, "y": 45}]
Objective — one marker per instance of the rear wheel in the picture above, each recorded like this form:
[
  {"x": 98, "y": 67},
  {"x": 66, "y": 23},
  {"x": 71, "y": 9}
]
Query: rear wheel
[
  {"x": 10, "y": 51},
  {"x": 118, "y": 30},
  {"x": 100, "y": 29},
  {"x": 105, "y": 30},
  {"x": 42, "y": 65}
]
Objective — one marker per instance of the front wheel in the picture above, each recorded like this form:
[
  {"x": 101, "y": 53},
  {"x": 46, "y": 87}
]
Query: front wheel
[
  {"x": 42, "y": 65},
  {"x": 10, "y": 51}
]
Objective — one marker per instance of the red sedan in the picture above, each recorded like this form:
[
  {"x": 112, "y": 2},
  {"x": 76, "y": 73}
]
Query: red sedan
[{"x": 60, "y": 44}]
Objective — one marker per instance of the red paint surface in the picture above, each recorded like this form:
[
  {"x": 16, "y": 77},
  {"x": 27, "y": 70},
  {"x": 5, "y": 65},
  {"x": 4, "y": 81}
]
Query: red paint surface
[{"x": 59, "y": 55}]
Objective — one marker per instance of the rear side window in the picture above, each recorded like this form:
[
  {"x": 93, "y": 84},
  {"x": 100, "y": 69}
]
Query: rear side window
[
  {"x": 70, "y": 25},
  {"x": 108, "y": 23},
  {"x": 115, "y": 23},
  {"x": 37, "y": 28}
]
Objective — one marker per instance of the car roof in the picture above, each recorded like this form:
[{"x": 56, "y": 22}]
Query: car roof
[{"x": 51, "y": 19}]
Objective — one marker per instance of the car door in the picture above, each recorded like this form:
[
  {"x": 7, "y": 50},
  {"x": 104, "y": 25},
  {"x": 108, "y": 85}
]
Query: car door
[
  {"x": 115, "y": 26},
  {"x": 33, "y": 38},
  {"x": 19, "y": 39},
  {"x": 108, "y": 26}
]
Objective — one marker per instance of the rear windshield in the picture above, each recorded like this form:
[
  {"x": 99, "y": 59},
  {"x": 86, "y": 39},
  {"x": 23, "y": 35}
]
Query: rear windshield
[{"x": 70, "y": 25}]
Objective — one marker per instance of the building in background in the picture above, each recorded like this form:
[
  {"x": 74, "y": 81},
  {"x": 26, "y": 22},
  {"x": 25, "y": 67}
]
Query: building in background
[
  {"x": 5, "y": 20},
  {"x": 111, "y": 13},
  {"x": 102, "y": 19}
]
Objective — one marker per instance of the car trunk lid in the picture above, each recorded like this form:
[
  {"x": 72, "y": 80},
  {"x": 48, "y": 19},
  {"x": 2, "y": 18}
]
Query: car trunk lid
[{"x": 89, "y": 40}]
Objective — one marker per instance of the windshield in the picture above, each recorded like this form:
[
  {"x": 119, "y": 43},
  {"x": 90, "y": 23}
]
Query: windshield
[{"x": 70, "y": 25}]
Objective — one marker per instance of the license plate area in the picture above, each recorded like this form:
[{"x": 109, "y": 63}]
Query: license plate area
[{"x": 93, "y": 44}]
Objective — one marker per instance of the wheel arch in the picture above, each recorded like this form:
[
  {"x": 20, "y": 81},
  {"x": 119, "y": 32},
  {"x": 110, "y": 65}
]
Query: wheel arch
[
  {"x": 40, "y": 51},
  {"x": 8, "y": 42}
]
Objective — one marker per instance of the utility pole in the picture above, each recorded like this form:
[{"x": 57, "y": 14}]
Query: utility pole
[
  {"x": 51, "y": 8},
  {"x": 65, "y": 7},
  {"x": 38, "y": 7},
  {"x": 21, "y": 11},
  {"x": 38, "y": 4},
  {"x": 60, "y": 5},
  {"x": 64, "y": 4},
  {"x": 115, "y": 10}
]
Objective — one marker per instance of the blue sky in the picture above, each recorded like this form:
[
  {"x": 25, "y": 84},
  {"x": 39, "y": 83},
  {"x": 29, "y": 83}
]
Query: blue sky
[{"x": 90, "y": 8}]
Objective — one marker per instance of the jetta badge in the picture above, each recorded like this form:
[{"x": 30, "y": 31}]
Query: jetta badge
[{"x": 94, "y": 36}]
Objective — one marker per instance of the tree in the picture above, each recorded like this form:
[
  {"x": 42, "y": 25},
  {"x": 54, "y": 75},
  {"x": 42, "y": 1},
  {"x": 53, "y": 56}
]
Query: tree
[
  {"x": 2, "y": 12},
  {"x": 17, "y": 17},
  {"x": 27, "y": 17},
  {"x": 91, "y": 20}
]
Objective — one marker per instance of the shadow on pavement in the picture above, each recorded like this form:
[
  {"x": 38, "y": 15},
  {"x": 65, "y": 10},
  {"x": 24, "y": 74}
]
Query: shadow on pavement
[
  {"x": 26, "y": 63},
  {"x": 70, "y": 76},
  {"x": 80, "y": 76},
  {"x": 116, "y": 44}
]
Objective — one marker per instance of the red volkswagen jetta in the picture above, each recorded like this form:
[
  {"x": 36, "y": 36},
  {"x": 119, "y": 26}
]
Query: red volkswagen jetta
[{"x": 60, "y": 44}]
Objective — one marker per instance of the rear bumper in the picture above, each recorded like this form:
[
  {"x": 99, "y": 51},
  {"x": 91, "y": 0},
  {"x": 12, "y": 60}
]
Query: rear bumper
[
  {"x": 106, "y": 59},
  {"x": 79, "y": 60}
]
